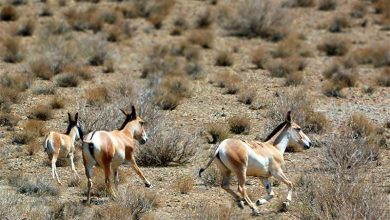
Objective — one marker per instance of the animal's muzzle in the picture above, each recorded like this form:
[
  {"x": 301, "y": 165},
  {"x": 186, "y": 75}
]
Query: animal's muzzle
[
  {"x": 307, "y": 145},
  {"x": 142, "y": 141}
]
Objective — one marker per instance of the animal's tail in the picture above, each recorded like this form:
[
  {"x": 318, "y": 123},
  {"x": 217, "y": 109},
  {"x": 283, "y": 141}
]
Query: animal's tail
[
  {"x": 209, "y": 163},
  {"x": 45, "y": 143}
]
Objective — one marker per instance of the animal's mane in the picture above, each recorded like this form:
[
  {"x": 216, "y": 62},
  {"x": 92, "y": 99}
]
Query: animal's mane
[
  {"x": 68, "y": 129},
  {"x": 276, "y": 130},
  {"x": 125, "y": 123}
]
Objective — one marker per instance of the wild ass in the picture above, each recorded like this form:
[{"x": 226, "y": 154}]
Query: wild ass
[
  {"x": 260, "y": 159},
  {"x": 109, "y": 149},
  {"x": 63, "y": 145}
]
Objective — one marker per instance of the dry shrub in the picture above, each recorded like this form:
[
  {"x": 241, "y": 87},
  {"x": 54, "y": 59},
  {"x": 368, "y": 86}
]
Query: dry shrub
[
  {"x": 338, "y": 23},
  {"x": 131, "y": 204},
  {"x": 8, "y": 120},
  {"x": 75, "y": 182},
  {"x": 57, "y": 102},
  {"x": 39, "y": 90},
  {"x": 294, "y": 78},
  {"x": 8, "y": 96},
  {"x": 239, "y": 124},
  {"x": 25, "y": 28},
  {"x": 224, "y": 58},
  {"x": 260, "y": 57},
  {"x": 96, "y": 51},
  {"x": 108, "y": 15},
  {"x": 31, "y": 130},
  {"x": 97, "y": 96},
  {"x": 247, "y": 95},
  {"x": 16, "y": 81},
  {"x": 171, "y": 90},
  {"x": 339, "y": 80},
  {"x": 216, "y": 133},
  {"x": 45, "y": 11},
  {"x": 211, "y": 211},
  {"x": 185, "y": 184},
  {"x": 205, "y": 19},
  {"x": 327, "y": 5},
  {"x": 8, "y": 13},
  {"x": 283, "y": 68},
  {"x": 108, "y": 66},
  {"x": 12, "y": 52},
  {"x": 54, "y": 27},
  {"x": 41, "y": 68},
  {"x": 334, "y": 46},
  {"x": 33, "y": 147},
  {"x": 358, "y": 9},
  {"x": 34, "y": 186},
  {"x": 203, "y": 38},
  {"x": 224, "y": 79},
  {"x": 179, "y": 26},
  {"x": 67, "y": 80},
  {"x": 291, "y": 46},
  {"x": 338, "y": 66},
  {"x": 154, "y": 11},
  {"x": 383, "y": 79},
  {"x": 252, "y": 18},
  {"x": 171, "y": 147},
  {"x": 377, "y": 54},
  {"x": 81, "y": 20},
  {"x": 299, "y": 3},
  {"x": 383, "y": 7},
  {"x": 80, "y": 70},
  {"x": 361, "y": 126},
  {"x": 113, "y": 34},
  {"x": 212, "y": 176},
  {"x": 303, "y": 112},
  {"x": 41, "y": 112}
]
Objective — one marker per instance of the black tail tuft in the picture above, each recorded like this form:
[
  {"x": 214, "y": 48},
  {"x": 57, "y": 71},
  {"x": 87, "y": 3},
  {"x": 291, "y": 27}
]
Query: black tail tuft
[{"x": 201, "y": 171}]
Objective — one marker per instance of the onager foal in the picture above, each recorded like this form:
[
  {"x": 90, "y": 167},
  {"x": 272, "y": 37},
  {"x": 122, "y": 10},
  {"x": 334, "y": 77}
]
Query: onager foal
[
  {"x": 260, "y": 159},
  {"x": 57, "y": 144},
  {"x": 110, "y": 149}
]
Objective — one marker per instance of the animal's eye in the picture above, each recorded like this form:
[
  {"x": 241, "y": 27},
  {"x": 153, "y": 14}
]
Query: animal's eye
[{"x": 142, "y": 122}]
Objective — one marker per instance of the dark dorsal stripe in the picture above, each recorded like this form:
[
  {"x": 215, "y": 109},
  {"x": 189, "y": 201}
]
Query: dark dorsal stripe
[{"x": 275, "y": 131}]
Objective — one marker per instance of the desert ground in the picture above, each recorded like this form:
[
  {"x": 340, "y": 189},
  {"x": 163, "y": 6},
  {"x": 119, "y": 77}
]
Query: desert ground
[{"x": 197, "y": 72}]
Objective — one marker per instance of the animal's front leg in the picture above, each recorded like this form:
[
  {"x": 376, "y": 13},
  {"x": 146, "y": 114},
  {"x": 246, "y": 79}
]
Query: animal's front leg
[
  {"x": 71, "y": 156},
  {"x": 139, "y": 172},
  {"x": 279, "y": 175},
  {"x": 267, "y": 185}
]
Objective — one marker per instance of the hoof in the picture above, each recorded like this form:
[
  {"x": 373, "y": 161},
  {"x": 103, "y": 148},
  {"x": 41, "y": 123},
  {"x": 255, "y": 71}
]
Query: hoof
[
  {"x": 261, "y": 202},
  {"x": 148, "y": 185},
  {"x": 241, "y": 204},
  {"x": 255, "y": 212},
  {"x": 285, "y": 206}
]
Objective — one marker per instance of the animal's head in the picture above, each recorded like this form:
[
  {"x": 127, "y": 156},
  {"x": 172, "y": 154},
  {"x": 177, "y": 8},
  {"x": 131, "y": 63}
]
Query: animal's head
[
  {"x": 296, "y": 133},
  {"x": 74, "y": 124},
  {"x": 136, "y": 124}
]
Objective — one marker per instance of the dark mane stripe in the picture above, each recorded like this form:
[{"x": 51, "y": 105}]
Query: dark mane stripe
[
  {"x": 68, "y": 129},
  {"x": 276, "y": 130}
]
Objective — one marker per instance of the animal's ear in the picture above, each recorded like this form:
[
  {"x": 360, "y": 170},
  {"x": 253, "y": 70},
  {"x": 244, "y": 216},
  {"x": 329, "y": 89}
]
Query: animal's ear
[
  {"x": 76, "y": 116},
  {"x": 133, "y": 111},
  {"x": 123, "y": 111},
  {"x": 69, "y": 117},
  {"x": 288, "y": 117}
]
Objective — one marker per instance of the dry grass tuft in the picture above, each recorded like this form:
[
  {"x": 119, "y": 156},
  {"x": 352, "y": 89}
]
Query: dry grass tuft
[
  {"x": 383, "y": 79},
  {"x": 339, "y": 23},
  {"x": 41, "y": 112},
  {"x": 154, "y": 11},
  {"x": 171, "y": 91},
  {"x": 185, "y": 184},
  {"x": 327, "y": 5},
  {"x": 203, "y": 38},
  {"x": 260, "y": 57},
  {"x": 67, "y": 80},
  {"x": 216, "y": 133},
  {"x": 247, "y": 95},
  {"x": 8, "y": 120},
  {"x": 79, "y": 70},
  {"x": 12, "y": 52},
  {"x": 283, "y": 68},
  {"x": 377, "y": 54},
  {"x": 294, "y": 79},
  {"x": 358, "y": 9},
  {"x": 239, "y": 125},
  {"x": 180, "y": 25},
  {"x": 299, "y": 3},
  {"x": 224, "y": 58},
  {"x": 383, "y": 7},
  {"x": 34, "y": 186},
  {"x": 265, "y": 19},
  {"x": 205, "y": 19},
  {"x": 339, "y": 80},
  {"x": 97, "y": 96},
  {"x": 25, "y": 28},
  {"x": 41, "y": 68},
  {"x": 334, "y": 46},
  {"x": 31, "y": 130},
  {"x": 57, "y": 102},
  {"x": 8, "y": 13}
]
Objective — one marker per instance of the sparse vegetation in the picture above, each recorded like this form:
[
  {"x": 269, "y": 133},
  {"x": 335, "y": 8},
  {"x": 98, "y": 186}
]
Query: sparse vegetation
[
  {"x": 12, "y": 50},
  {"x": 203, "y": 38},
  {"x": 376, "y": 54},
  {"x": 8, "y": 13},
  {"x": 34, "y": 186},
  {"x": 327, "y": 5},
  {"x": 205, "y": 19},
  {"x": 334, "y": 46},
  {"x": 383, "y": 78},
  {"x": 185, "y": 184},
  {"x": 41, "y": 112},
  {"x": 256, "y": 19},
  {"x": 260, "y": 57},
  {"x": 216, "y": 133},
  {"x": 57, "y": 102},
  {"x": 339, "y": 80},
  {"x": 224, "y": 58},
  {"x": 97, "y": 96},
  {"x": 31, "y": 130},
  {"x": 299, "y": 3},
  {"x": 26, "y": 28},
  {"x": 247, "y": 95},
  {"x": 239, "y": 125},
  {"x": 339, "y": 23},
  {"x": 67, "y": 80}
]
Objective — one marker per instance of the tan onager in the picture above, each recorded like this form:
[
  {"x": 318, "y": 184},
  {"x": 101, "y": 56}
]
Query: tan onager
[
  {"x": 109, "y": 149},
  {"x": 260, "y": 159},
  {"x": 63, "y": 145}
]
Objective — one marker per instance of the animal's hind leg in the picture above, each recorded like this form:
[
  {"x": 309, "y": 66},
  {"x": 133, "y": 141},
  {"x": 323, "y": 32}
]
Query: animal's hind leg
[
  {"x": 268, "y": 186},
  {"x": 241, "y": 176},
  {"x": 279, "y": 175},
  {"x": 225, "y": 184},
  {"x": 107, "y": 174},
  {"x": 71, "y": 157},
  {"x": 116, "y": 178},
  {"x": 54, "y": 169},
  {"x": 88, "y": 172}
]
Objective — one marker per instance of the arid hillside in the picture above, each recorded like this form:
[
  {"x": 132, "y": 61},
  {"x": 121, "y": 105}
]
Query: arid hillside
[{"x": 197, "y": 72}]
